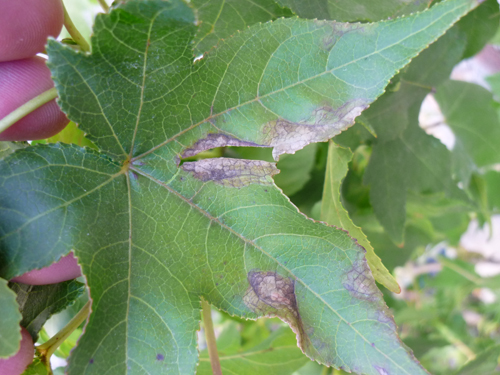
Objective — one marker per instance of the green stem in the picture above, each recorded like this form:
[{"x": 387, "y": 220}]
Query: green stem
[
  {"x": 48, "y": 348},
  {"x": 73, "y": 31},
  {"x": 450, "y": 336},
  {"x": 210, "y": 337},
  {"x": 104, "y": 5},
  {"x": 27, "y": 108}
]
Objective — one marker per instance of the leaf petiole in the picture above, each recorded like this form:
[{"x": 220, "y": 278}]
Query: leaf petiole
[
  {"x": 48, "y": 348},
  {"x": 27, "y": 108},
  {"x": 73, "y": 31},
  {"x": 210, "y": 337},
  {"x": 104, "y": 5}
]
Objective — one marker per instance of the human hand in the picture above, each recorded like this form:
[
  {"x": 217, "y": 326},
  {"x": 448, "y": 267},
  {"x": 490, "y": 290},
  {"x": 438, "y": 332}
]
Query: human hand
[{"x": 24, "y": 29}]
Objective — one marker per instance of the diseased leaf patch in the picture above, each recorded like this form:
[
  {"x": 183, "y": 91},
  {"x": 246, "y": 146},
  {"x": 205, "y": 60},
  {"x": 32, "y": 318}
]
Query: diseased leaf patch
[{"x": 153, "y": 237}]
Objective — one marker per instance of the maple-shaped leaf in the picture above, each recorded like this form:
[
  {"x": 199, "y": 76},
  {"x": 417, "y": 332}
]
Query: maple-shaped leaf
[{"x": 153, "y": 236}]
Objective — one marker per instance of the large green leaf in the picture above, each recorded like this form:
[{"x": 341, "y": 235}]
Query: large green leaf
[
  {"x": 152, "y": 237},
  {"x": 10, "y": 332},
  {"x": 333, "y": 212},
  {"x": 38, "y": 303},
  {"x": 222, "y": 18}
]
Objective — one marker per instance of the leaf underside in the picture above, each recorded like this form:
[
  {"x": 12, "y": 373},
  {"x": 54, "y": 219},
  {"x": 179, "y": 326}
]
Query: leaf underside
[{"x": 152, "y": 236}]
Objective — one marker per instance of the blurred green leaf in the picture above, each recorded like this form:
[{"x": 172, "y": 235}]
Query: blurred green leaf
[
  {"x": 333, "y": 212},
  {"x": 353, "y": 10},
  {"x": 494, "y": 81},
  {"x": 486, "y": 363},
  {"x": 480, "y": 26},
  {"x": 71, "y": 134},
  {"x": 222, "y": 18},
  {"x": 276, "y": 355},
  {"x": 492, "y": 179},
  {"x": 37, "y": 367},
  {"x": 10, "y": 317},
  {"x": 467, "y": 110},
  {"x": 7, "y": 148},
  {"x": 403, "y": 156},
  {"x": 415, "y": 161},
  {"x": 38, "y": 303}
]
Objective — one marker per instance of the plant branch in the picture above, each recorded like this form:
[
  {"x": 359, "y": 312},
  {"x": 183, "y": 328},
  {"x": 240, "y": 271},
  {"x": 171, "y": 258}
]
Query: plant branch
[
  {"x": 27, "y": 108},
  {"x": 104, "y": 5},
  {"x": 48, "y": 348},
  {"x": 210, "y": 337},
  {"x": 73, "y": 31}
]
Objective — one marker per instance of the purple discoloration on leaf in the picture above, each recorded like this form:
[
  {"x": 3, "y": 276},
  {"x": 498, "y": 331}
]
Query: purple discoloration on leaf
[
  {"x": 360, "y": 283},
  {"x": 381, "y": 370},
  {"x": 270, "y": 294},
  {"x": 324, "y": 123},
  {"x": 232, "y": 172}
]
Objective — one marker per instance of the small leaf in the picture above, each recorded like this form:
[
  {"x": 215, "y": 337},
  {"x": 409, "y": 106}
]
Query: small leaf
[
  {"x": 333, "y": 213},
  {"x": 38, "y": 303},
  {"x": 70, "y": 134},
  {"x": 7, "y": 148},
  {"x": 37, "y": 367},
  {"x": 10, "y": 331}
]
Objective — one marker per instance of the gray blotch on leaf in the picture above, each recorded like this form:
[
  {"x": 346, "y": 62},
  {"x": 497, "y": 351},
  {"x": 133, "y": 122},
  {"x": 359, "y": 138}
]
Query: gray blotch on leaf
[
  {"x": 324, "y": 123},
  {"x": 232, "y": 172},
  {"x": 270, "y": 294}
]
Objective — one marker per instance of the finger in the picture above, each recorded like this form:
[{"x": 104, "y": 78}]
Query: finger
[
  {"x": 16, "y": 364},
  {"x": 25, "y": 26},
  {"x": 66, "y": 268},
  {"x": 21, "y": 81}
]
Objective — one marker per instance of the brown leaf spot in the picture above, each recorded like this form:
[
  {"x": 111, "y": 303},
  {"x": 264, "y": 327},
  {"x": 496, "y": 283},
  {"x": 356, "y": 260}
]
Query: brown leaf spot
[
  {"x": 359, "y": 281},
  {"x": 271, "y": 294},
  {"x": 324, "y": 123},
  {"x": 232, "y": 172}
]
